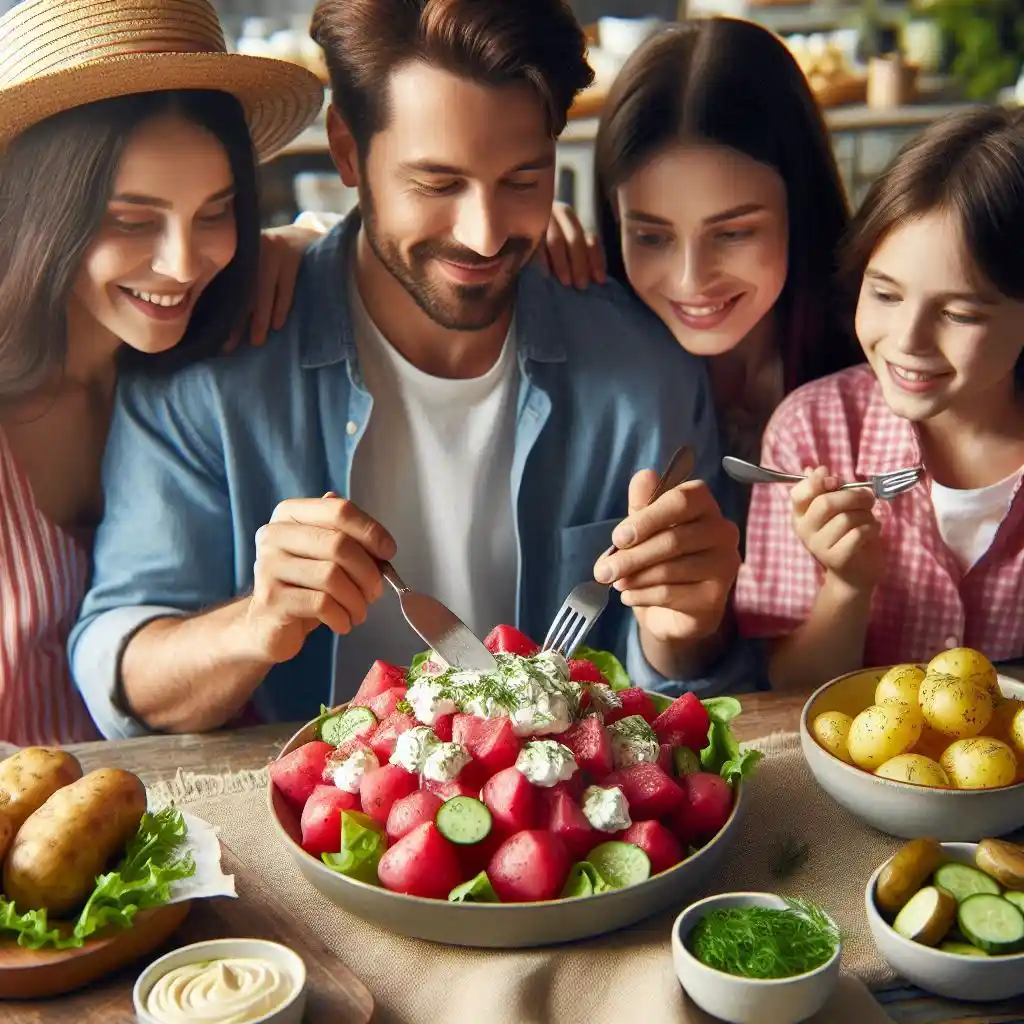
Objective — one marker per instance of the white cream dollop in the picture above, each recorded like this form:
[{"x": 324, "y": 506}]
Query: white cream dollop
[
  {"x": 606, "y": 809},
  {"x": 633, "y": 741},
  {"x": 349, "y": 774},
  {"x": 445, "y": 761},
  {"x": 603, "y": 698},
  {"x": 413, "y": 747},
  {"x": 427, "y": 702},
  {"x": 229, "y": 991},
  {"x": 546, "y": 762}
]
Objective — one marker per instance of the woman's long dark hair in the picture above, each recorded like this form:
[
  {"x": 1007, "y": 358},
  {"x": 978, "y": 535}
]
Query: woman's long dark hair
[
  {"x": 970, "y": 164},
  {"x": 55, "y": 181},
  {"x": 732, "y": 83}
]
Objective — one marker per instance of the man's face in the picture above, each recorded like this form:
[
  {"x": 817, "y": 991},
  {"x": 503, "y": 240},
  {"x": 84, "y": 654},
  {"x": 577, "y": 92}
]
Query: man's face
[{"x": 456, "y": 192}]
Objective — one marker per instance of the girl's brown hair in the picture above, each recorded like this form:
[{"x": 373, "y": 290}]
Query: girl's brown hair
[
  {"x": 55, "y": 181},
  {"x": 732, "y": 83},
  {"x": 970, "y": 164}
]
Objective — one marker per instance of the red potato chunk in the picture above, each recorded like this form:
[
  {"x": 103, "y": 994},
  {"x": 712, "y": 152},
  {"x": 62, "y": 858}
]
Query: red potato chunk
[
  {"x": 684, "y": 723},
  {"x": 297, "y": 774},
  {"x": 649, "y": 792},
  {"x": 321, "y": 819},
  {"x": 381, "y": 787},
  {"x": 634, "y": 702},
  {"x": 661, "y": 846},
  {"x": 591, "y": 746},
  {"x": 512, "y": 801},
  {"x": 567, "y": 821},
  {"x": 707, "y": 805},
  {"x": 386, "y": 735},
  {"x": 382, "y": 676},
  {"x": 411, "y": 811},
  {"x": 421, "y": 863},
  {"x": 509, "y": 640}
]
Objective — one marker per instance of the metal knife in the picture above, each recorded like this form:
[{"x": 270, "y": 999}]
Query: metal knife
[{"x": 441, "y": 629}]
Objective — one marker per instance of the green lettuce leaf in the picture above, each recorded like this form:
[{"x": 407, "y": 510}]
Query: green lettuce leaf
[
  {"x": 608, "y": 665},
  {"x": 416, "y": 666},
  {"x": 584, "y": 880},
  {"x": 476, "y": 890},
  {"x": 722, "y": 756},
  {"x": 722, "y": 709},
  {"x": 362, "y": 845},
  {"x": 143, "y": 879}
]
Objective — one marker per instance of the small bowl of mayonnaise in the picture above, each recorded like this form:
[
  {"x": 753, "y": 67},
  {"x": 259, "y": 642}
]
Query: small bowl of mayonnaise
[{"x": 224, "y": 981}]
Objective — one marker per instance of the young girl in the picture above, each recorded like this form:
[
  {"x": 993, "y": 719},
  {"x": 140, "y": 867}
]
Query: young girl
[
  {"x": 130, "y": 237},
  {"x": 834, "y": 579},
  {"x": 720, "y": 206}
]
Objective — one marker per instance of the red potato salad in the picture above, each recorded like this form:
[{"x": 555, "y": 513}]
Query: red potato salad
[{"x": 547, "y": 779}]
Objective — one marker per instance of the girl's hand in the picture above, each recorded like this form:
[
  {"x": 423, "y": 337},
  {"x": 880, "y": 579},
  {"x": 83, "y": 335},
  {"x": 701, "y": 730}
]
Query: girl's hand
[
  {"x": 281, "y": 252},
  {"x": 839, "y": 529},
  {"x": 573, "y": 255}
]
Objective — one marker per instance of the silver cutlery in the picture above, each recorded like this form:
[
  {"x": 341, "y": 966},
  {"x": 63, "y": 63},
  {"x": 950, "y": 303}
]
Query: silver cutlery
[
  {"x": 585, "y": 603},
  {"x": 441, "y": 629},
  {"x": 885, "y": 485}
]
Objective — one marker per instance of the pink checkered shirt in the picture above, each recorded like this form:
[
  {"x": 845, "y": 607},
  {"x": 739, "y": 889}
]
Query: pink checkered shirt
[{"x": 926, "y": 603}]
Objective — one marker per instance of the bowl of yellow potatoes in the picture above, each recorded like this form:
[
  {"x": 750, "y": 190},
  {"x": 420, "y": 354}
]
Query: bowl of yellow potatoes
[{"x": 917, "y": 750}]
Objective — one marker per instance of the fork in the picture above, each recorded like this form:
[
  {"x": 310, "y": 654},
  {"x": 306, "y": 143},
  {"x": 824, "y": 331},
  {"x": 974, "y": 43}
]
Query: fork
[
  {"x": 885, "y": 485},
  {"x": 583, "y": 606}
]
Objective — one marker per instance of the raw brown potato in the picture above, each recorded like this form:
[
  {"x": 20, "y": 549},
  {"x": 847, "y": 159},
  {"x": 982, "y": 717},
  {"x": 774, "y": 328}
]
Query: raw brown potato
[
  {"x": 64, "y": 845},
  {"x": 927, "y": 916},
  {"x": 906, "y": 873},
  {"x": 27, "y": 780},
  {"x": 1003, "y": 861},
  {"x": 968, "y": 665}
]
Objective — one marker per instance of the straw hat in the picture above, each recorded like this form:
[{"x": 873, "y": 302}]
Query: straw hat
[{"x": 59, "y": 54}]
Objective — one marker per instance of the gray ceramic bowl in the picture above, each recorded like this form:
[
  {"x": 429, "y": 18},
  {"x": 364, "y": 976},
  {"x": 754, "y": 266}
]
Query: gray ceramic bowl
[
  {"x": 502, "y": 926},
  {"x": 982, "y": 979},
  {"x": 737, "y": 1000},
  {"x": 898, "y": 808}
]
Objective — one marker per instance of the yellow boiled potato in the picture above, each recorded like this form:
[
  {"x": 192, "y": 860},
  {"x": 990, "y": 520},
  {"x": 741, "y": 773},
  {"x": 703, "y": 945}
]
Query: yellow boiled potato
[
  {"x": 882, "y": 731},
  {"x": 979, "y": 763},
  {"x": 830, "y": 729},
  {"x": 1000, "y": 724},
  {"x": 966, "y": 664},
  {"x": 932, "y": 744},
  {"x": 1017, "y": 729},
  {"x": 899, "y": 683},
  {"x": 913, "y": 768},
  {"x": 954, "y": 707}
]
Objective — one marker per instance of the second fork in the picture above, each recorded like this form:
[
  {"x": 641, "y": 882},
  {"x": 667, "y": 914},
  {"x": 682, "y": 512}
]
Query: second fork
[{"x": 587, "y": 600}]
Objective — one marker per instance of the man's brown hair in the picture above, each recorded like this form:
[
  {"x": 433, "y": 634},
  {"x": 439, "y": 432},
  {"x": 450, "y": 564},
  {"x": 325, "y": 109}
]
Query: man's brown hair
[{"x": 496, "y": 42}]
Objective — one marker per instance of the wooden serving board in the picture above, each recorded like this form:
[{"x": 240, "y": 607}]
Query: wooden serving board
[{"x": 335, "y": 994}]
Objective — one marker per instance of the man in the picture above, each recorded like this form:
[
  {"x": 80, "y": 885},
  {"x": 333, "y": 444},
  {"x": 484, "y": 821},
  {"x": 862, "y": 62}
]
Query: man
[{"x": 431, "y": 400}]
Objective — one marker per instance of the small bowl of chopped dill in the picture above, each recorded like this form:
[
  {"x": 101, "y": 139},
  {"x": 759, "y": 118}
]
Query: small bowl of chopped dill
[{"x": 756, "y": 958}]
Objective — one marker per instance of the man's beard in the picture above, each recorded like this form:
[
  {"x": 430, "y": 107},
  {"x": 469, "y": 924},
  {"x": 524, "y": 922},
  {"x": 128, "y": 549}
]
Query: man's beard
[{"x": 456, "y": 307}]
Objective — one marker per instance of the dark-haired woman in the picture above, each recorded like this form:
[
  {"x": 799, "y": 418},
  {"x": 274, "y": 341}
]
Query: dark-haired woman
[{"x": 129, "y": 241}]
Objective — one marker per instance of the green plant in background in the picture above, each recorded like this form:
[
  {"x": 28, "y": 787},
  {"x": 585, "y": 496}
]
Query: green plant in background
[{"x": 986, "y": 38}]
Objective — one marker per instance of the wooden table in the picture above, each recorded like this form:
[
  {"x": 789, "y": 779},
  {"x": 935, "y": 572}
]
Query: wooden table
[{"x": 157, "y": 759}]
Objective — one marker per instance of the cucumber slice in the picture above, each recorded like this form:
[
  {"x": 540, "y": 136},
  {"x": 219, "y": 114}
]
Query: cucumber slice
[
  {"x": 992, "y": 923},
  {"x": 464, "y": 820},
  {"x": 962, "y": 880},
  {"x": 339, "y": 728},
  {"x": 620, "y": 864},
  {"x": 685, "y": 760},
  {"x": 927, "y": 916},
  {"x": 1016, "y": 898},
  {"x": 962, "y": 949}
]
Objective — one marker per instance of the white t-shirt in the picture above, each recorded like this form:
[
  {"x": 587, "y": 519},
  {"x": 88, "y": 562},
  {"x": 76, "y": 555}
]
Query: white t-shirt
[
  {"x": 968, "y": 520},
  {"x": 434, "y": 466}
]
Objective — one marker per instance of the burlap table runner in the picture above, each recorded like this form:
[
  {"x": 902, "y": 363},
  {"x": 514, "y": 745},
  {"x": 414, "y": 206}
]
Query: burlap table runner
[{"x": 624, "y": 976}]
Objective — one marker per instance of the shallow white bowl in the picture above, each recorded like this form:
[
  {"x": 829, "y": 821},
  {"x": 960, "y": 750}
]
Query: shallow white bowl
[
  {"x": 748, "y": 1000},
  {"x": 979, "y": 979},
  {"x": 898, "y": 808},
  {"x": 286, "y": 960},
  {"x": 502, "y": 925}
]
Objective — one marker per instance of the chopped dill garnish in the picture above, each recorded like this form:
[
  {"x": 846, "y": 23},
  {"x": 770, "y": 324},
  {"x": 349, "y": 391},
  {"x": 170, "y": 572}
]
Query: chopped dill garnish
[
  {"x": 404, "y": 707},
  {"x": 633, "y": 727},
  {"x": 758, "y": 942}
]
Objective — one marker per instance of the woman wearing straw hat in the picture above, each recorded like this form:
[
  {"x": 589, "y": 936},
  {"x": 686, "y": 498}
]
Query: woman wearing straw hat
[{"x": 129, "y": 236}]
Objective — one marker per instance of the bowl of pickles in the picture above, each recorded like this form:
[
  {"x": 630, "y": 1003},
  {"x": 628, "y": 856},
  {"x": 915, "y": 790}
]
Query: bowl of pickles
[
  {"x": 949, "y": 917},
  {"x": 919, "y": 750}
]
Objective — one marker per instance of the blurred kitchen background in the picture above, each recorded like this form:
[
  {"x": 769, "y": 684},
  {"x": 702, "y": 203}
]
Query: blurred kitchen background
[{"x": 882, "y": 70}]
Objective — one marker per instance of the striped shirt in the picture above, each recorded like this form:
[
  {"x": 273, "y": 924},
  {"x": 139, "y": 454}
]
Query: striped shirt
[{"x": 43, "y": 578}]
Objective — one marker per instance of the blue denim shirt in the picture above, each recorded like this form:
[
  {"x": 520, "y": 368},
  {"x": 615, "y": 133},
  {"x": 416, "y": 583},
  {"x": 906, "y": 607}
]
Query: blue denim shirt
[{"x": 197, "y": 461}]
